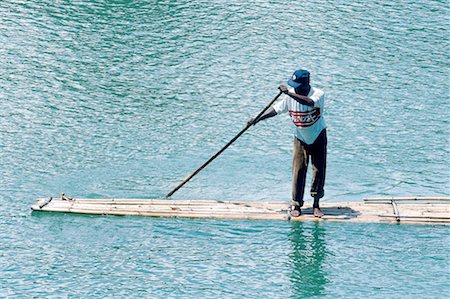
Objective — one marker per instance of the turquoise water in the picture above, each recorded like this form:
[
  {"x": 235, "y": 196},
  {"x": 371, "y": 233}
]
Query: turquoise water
[{"x": 126, "y": 98}]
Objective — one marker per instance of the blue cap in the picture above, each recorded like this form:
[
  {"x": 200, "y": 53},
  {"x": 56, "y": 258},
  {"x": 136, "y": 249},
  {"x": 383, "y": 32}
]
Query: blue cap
[{"x": 300, "y": 77}]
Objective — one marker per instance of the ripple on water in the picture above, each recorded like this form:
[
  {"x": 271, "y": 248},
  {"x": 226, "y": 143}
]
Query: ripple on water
[{"x": 125, "y": 99}]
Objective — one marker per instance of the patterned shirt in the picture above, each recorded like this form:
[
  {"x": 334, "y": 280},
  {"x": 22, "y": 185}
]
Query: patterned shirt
[{"x": 308, "y": 121}]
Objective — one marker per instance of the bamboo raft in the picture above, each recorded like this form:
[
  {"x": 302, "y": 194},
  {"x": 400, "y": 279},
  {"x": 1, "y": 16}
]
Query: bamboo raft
[{"x": 431, "y": 210}]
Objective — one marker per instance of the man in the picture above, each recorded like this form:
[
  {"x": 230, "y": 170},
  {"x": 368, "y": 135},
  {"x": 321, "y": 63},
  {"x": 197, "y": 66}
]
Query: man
[{"x": 305, "y": 106}]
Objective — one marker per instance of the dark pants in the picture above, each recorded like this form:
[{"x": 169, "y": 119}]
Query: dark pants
[{"x": 318, "y": 153}]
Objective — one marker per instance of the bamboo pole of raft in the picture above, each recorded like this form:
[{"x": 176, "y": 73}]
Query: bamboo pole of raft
[
  {"x": 223, "y": 148},
  {"x": 397, "y": 214},
  {"x": 155, "y": 202},
  {"x": 375, "y": 199},
  {"x": 417, "y": 217},
  {"x": 172, "y": 209}
]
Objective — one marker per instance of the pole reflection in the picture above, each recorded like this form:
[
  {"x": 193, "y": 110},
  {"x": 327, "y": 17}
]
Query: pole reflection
[{"x": 308, "y": 252}]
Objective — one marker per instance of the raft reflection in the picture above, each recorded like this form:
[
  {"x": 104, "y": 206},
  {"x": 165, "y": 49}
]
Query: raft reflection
[{"x": 308, "y": 252}]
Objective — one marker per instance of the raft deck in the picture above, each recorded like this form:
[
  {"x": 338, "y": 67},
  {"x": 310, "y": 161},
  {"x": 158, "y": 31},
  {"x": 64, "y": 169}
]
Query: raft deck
[{"x": 393, "y": 210}]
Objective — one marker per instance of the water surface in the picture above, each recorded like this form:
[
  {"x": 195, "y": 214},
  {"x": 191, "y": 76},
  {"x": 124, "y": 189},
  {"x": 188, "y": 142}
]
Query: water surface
[{"x": 126, "y": 98}]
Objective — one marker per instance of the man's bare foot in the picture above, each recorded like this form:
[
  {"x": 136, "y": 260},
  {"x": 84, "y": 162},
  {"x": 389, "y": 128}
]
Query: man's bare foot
[
  {"x": 318, "y": 213},
  {"x": 295, "y": 211}
]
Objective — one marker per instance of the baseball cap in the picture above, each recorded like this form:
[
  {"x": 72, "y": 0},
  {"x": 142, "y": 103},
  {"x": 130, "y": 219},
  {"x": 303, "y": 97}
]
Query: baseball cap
[{"x": 300, "y": 77}]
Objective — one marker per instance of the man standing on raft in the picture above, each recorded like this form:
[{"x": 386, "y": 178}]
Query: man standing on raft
[{"x": 305, "y": 106}]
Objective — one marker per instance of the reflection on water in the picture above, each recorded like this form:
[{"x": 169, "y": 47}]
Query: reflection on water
[
  {"x": 308, "y": 252},
  {"x": 106, "y": 98}
]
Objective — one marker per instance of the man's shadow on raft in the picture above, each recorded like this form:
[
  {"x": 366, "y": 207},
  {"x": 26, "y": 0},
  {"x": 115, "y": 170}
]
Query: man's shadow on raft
[{"x": 337, "y": 212}]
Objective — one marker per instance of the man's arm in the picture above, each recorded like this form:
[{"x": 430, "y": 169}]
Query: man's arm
[
  {"x": 269, "y": 113},
  {"x": 301, "y": 99},
  {"x": 304, "y": 100}
]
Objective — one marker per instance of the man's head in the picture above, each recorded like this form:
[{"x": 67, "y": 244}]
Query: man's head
[{"x": 300, "y": 82}]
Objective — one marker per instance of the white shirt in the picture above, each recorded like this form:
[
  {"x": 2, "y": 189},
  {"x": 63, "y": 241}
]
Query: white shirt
[{"x": 308, "y": 121}]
